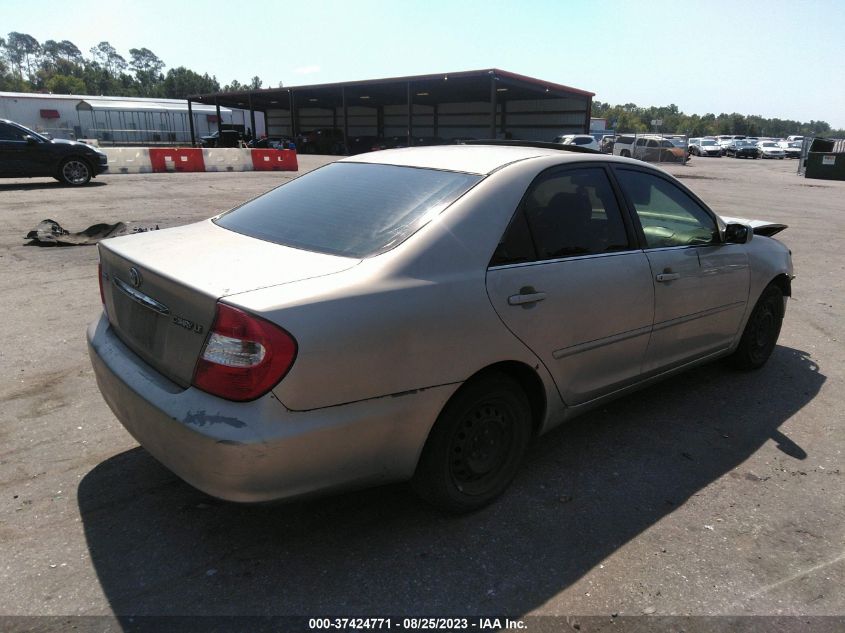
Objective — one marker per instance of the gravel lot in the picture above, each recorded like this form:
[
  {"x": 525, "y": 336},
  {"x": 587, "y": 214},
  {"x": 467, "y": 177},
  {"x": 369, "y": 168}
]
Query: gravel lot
[{"x": 715, "y": 492}]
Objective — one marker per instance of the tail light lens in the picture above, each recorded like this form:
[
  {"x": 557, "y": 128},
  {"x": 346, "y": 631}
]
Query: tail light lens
[{"x": 244, "y": 357}]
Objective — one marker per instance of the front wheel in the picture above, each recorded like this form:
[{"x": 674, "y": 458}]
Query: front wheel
[
  {"x": 476, "y": 445},
  {"x": 74, "y": 172},
  {"x": 761, "y": 332}
]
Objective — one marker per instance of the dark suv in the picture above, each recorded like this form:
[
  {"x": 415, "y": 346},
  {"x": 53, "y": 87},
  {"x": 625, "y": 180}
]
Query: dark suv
[{"x": 24, "y": 153}]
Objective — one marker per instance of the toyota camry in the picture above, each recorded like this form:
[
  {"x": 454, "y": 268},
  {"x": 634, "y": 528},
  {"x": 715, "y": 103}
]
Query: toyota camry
[{"x": 421, "y": 314}]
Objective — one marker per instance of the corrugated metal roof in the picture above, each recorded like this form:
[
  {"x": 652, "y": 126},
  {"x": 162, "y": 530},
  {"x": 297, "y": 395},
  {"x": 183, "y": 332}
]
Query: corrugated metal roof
[
  {"x": 135, "y": 104},
  {"x": 145, "y": 106}
]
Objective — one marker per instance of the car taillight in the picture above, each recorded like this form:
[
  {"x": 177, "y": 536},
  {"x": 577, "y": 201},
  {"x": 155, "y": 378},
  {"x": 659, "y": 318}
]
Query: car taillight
[{"x": 244, "y": 357}]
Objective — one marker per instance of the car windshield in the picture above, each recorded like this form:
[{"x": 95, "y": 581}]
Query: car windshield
[
  {"x": 708, "y": 142},
  {"x": 349, "y": 209},
  {"x": 768, "y": 144}
]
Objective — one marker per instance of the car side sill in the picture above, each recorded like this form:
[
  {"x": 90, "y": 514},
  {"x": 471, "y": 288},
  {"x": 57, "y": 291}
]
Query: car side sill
[{"x": 576, "y": 410}]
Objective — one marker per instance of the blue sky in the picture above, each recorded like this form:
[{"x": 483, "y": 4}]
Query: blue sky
[{"x": 773, "y": 58}]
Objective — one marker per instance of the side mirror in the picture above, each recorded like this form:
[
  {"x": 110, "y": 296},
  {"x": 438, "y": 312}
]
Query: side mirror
[
  {"x": 30, "y": 140},
  {"x": 738, "y": 234}
]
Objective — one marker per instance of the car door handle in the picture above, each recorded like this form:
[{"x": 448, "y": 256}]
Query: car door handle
[
  {"x": 526, "y": 298},
  {"x": 668, "y": 276}
]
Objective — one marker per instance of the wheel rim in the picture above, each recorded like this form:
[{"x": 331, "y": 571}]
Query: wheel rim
[
  {"x": 763, "y": 332},
  {"x": 75, "y": 172},
  {"x": 480, "y": 447}
]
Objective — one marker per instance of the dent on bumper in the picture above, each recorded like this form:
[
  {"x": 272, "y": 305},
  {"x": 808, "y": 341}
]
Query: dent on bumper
[{"x": 261, "y": 451}]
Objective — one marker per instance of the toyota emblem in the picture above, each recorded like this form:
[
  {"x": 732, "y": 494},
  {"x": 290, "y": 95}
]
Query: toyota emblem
[{"x": 135, "y": 277}]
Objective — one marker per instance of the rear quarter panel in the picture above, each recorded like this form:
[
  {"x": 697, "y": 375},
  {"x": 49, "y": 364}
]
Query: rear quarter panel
[{"x": 412, "y": 318}]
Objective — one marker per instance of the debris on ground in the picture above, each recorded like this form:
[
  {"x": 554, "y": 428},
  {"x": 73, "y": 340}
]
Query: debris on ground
[{"x": 51, "y": 233}]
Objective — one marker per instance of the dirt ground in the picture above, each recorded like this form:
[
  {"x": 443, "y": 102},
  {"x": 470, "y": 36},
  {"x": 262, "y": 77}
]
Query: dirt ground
[{"x": 713, "y": 493}]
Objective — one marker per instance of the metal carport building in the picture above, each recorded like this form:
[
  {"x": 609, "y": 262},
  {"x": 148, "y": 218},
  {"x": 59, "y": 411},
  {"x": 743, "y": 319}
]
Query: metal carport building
[{"x": 480, "y": 104}]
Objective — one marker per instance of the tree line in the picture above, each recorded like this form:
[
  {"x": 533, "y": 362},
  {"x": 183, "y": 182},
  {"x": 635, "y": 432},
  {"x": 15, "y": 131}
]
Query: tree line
[
  {"x": 59, "y": 67},
  {"x": 631, "y": 118}
]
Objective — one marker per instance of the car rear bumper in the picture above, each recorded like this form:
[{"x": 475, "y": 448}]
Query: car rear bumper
[{"x": 260, "y": 450}]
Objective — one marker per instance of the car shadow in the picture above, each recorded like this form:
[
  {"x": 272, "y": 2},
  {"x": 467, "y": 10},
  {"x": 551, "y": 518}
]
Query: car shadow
[
  {"x": 51, "y": 184},
  {"x": 162, "y": 548}
]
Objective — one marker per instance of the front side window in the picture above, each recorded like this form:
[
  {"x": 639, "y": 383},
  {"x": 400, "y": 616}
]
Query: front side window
[
  {"x": 349, "y": 209},
  {"x": 668, "y": 215},
  {"x": 565, "y": 214}
]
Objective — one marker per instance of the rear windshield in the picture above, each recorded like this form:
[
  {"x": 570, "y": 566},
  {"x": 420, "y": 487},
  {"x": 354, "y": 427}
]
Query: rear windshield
[{"x": 349, "y": 209}]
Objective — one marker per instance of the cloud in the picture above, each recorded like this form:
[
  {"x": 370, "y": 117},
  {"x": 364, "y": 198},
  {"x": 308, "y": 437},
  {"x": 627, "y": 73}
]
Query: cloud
[{"x": 306, "y": 70}]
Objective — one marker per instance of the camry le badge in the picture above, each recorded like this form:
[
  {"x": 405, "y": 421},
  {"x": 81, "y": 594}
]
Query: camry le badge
[{"x": 135, "y": 277}]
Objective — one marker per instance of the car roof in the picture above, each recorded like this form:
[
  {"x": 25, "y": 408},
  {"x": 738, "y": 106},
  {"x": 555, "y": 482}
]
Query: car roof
[{"x": 471, "y": 159}]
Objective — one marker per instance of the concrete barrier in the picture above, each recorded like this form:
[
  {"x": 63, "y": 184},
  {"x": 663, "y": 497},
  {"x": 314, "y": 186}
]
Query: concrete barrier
[
  {"x": 129, "y": 160},
  {"x": 227, "y": 159},
  {"x": 176, "y": 159},
  {"x": 274, "y": 160},
  {"x": 143, "y": 160}
]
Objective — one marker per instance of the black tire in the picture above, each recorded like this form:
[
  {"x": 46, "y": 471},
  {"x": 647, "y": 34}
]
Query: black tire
[
  {"x": 625, "y": 153},
  {"x": 761, "y": 332},
  {"x": 476, "y": 445},
  {"x": 74, "y": 172}
]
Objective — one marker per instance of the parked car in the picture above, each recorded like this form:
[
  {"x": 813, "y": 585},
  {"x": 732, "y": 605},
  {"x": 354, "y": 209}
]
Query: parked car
[
  {"x": 583, "y": 140},
  {"x": 361, "y": 144},
  {"x": 707, "y": 147},
  {"x": 224, "y": 138},
  {"x": 724, "y": 143},
  {"x": 28, "y": 154},
  {"x": 770, "y": 149},
  {"x": 742, "y": 149},
  {"x": 691, "y": 144},
  {"x": 421, "y": 314},
  {"x": 649, "y": 148},
  {"x": 272, "y": 142},
  {"x": 322, "y": 141},
  {"x": 606, "y": 143},
  {"x": 791, "y": 149}
]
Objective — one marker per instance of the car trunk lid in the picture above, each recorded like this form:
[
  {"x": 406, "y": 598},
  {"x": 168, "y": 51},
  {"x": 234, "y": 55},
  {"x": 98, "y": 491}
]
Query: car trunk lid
[{"x": 161, "y": 288}]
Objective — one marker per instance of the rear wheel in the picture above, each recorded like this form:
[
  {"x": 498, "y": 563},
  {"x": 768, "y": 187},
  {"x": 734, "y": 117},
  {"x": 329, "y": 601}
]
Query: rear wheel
[
  {"x": 74, "y": 172},
  {"x": 761, "y": 332},
  {"x": 476, "y": 445}
]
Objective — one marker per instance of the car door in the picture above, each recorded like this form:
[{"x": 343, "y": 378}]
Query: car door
[
  {"x": 12, "y": 149},
  {"x": 640, "y": 148},
  {"x": 701, "y": 284},
  {"x": 570, "y": 282},
  {"x": 652, "y": 151}
]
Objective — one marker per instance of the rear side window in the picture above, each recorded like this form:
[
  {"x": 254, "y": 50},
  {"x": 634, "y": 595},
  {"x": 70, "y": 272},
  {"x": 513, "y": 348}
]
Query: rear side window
[
  {"x": 349, "y": 209},
  {"x": 565, "y": 214}
]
